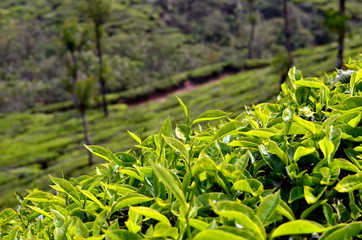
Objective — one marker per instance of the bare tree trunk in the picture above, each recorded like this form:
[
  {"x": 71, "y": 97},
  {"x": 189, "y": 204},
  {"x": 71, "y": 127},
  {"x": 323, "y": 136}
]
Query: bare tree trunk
[
  {"x": 74, "y": 78},
  {"x": 341, "y": 33},
  {"x": 288, "y": 45},
  {"x": 251, "y": 39},
  {"x": 252, "y": 20},
  {"x": 86, "y": 134},
  {"x": 101, "y": 79}
]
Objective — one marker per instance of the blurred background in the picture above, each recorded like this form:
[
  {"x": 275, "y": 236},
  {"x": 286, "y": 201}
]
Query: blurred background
[{"x": 84, "y": 72}]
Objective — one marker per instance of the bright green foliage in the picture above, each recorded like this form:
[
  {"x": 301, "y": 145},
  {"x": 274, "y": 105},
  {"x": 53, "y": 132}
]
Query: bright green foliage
[{"x": 289, "y": 168}]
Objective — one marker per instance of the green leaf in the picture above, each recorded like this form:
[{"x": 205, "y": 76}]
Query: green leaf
[
  {"x": 327, "y": 148},
  {"x": 298, "y": 227},
  {"x": 311, "y": 84},
  {"x": 328, "y": 213},
  {"x": 343, "y": 231},
  {"x": 203, "y": 164},
  {"x": 295, "y": 194},
  {"x": 349, "y": 103},
  {"x": 198, "y": 224},
  {"x": 309, "y": 194},
  {"x": 60, "y": 234},
  {"x": 241, "y": 232},
  {"x": 151, "y": 213},
  {"x": 103, "y": 153},
  {"x": 303, "y": 151},
  {"x": 252, "y": 186},
  {"x": 58, "y": 218},
  {"x": 120, "y": 234},
  {"x": 100, "y": 220},
  {"x": 130, "y": 199},
  {"x": 242, "y": 214},
  {"x": 135, "y": 137},
  {"x": 81, "y": 229},
  {"x": 261, "y": 132},
  {"x": 125, "y": 158},
  {"x": 310, "y": 126},
  {"x": 285, "y": 210},
  {"x": 244, "y": 143},
  {"x": 272, "y": 160},
  {"x": 100, "y": 152},
  {"x": 274, "y": 149},
  {"x": 132, "y": 173},
  {"x": 268, "y": 206},
  {"x": 213, "y": 234},
  {"x": 166, "y": 128},
  {"x": 311, "y": 209},
  {"x": 229, "y": 129},
  {"x": 295, "y": 74},
  {"x": 167, "y": 179},
  {"x": 41, "y": 211},
  {"x": 165, "y": 230},
  {"x": 92, "y": 197},
  {"x": 182, "y": 132},
  {"x": 210, "y": 115},
  {"x": 184, "y": 108},
  {"x": 350, "y": 183},
  {"x": 40, "y": 196},
  {"x": 178, "y": 146},
  {"x": 67, "y": 188},
  {"x": 6, "y": 215}
]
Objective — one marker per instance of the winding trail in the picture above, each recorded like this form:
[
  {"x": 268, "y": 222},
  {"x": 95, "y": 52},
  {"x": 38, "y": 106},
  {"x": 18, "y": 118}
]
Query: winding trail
[{"x": 185, "y": 87}]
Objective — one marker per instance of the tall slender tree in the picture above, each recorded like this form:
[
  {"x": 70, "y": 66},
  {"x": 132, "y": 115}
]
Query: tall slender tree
[
  {"x": 253, "y": 20},
  {"x": 75, "y": 38},
  {"x": 98, "y": 11},
  {"x": 341, "y": 32},
  {"x": 84, "y": 91},
  {"x": 287, "y": 42},
  {"x": 336, "y": 22}
]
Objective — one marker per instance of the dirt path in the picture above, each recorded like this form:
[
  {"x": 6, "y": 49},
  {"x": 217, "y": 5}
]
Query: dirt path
[{"x": 185, "y": 87}]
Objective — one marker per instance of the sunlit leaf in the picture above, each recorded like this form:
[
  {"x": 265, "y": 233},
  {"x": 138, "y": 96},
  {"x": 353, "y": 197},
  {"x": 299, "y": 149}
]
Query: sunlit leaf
[
  {"x": 297, "y": 227},
  {"x": 350, "y": 183}
]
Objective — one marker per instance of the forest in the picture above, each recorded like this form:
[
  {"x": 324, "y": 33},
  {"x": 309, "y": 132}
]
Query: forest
[{"x": 107, "y": 129}]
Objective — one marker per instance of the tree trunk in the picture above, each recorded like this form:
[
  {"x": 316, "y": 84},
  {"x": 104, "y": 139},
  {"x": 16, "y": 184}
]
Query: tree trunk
[
  {"x": 341, "y": 33},
  {"x": 288, "y": 46},
  {"x": 251, "y": 39},
  {"x": 86, "y": 134},
  {"x": 101, "y": 79},
  {"x": 252, "y": 20},
  {"x": 74, "y": 78}
]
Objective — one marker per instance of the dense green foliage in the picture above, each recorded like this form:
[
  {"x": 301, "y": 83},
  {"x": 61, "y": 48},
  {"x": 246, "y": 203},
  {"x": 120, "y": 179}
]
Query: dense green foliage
[{"x": 289, "y": 168}]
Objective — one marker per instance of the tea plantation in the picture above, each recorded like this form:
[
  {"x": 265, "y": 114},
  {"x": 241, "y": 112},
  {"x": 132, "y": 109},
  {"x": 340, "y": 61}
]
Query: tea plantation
[
  {"x": 34, "y": 145},
  {"x": 290, "y": 168}
]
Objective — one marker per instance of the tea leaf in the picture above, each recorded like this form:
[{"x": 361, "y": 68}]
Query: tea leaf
[
  {"x": 166, "y": 178},
  {"x": 151, "y": 213},
  {"x": 67, "y": 188},
  {"x": 210, "y": 115},
  {"x": 120, "y": 234},
  {"x": 298, "y": 227},
  {"x": 268, "y": 206},
  {"x": 214, "y": 234},
  {"x": 350, "y": 183}
]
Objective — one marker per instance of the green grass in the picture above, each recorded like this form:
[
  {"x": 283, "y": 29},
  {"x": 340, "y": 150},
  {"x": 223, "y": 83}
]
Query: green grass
[{"x": 34, "y": 145}]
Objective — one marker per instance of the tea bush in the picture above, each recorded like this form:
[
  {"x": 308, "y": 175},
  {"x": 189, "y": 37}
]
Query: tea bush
[{"x": 289, "y": 168}]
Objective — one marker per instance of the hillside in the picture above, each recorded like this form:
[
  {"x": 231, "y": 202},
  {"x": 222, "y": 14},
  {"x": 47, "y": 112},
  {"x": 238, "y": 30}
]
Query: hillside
[{"x": 147, "y": 40}]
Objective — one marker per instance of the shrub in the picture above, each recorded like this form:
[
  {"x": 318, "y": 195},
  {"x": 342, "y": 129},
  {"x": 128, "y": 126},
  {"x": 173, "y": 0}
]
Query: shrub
[{"x": 290, "y": 168}]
